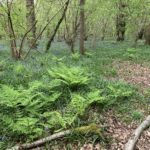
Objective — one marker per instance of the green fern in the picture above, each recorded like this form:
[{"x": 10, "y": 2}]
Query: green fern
[
  {"x": 27, "y": 126},
  {"x": 117, "y": 92},
  {"x": 54, "y": 119},
  {"x": 75, "y": 56},
  {"x": 79, "y": 103},
  {"x": 71, "y": 76},
  {"x": 22, "y": 108},
  {"x": 28, "y": 112}
]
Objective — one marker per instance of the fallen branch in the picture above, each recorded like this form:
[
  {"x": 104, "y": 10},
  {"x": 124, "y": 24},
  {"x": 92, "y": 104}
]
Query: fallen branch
[
  {"x": 42, "y": 141},
  {"x": 93, "y": 128},
  {"x": 137, "y": 133}
]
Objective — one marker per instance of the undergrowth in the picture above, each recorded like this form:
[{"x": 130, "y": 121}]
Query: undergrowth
[
  {"x": 49, "y": 93},
  {"x": 28, "y": 112}
]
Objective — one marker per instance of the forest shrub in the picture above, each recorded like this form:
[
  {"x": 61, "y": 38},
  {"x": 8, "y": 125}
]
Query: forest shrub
[
  {"x": 117, "y": 92},
  {"x": 75, "y": 56},
  {"x": 28, "y": 112},
  {"x": 71, "y": 76},
  {"x": 131, "y": 53}
]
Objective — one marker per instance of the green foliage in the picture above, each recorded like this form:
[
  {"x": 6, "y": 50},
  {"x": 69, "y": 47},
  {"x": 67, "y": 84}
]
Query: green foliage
[
  {"x": 71, "y": 76},
  {"x": 116, "y": 92},
  {"x": 79, "y": 103},
  {"x": 28, "y": 111},
  {"x": 21, "y": 108},
  {"x": 15, "y": 73},
  {"x": 75, "y": 56},
  {"x": 54, "y": 120},
  {"x": 131, "y": 53},
  {"x": 136, "y": 115},
  {"x": 35, "y": 101},
  {"x": 89, "y": 54},
  {"x": 54, "y": 58}
]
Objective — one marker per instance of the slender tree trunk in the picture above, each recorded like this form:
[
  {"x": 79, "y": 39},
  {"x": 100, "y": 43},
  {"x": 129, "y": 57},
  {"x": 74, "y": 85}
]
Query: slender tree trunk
[
  {"x": 14, "y": 52},
  {"x": 57, "y": 27},
  {"x": 72, "y": 47},
  {"x": 82, "y": 26},
  {"x": 94, "y": 41},
  {"x": 121, "y": 21},
  {"x": 139, "y": 36},
  {"x": 31, "y": 19},
  {"x": 147, "y": 35},
  {"x": 104, "y": 27}
]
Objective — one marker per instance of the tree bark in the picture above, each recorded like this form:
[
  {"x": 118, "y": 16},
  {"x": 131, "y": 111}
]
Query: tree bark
[
  {"x": 121, "y": 21},
  {"x": 57, "y": 26},
  {"x": 14, "y": 52},
  {"x": 82, "y": 26},
  {"x": 72, "y": 31},
  {"x": 31, "y": 19}
]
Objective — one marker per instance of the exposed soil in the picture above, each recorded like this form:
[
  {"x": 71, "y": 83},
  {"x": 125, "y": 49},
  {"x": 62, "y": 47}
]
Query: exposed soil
[
  {"x": 136, "y": 74},
  {"x": 120, "y": 133}
]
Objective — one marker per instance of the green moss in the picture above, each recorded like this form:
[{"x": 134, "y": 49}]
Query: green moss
[{"x": 92, "y": 128}]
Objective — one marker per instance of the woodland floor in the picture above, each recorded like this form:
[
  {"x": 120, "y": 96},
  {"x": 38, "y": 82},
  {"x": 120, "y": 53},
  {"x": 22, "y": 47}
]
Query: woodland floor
[
  {"x": 139, "y": 75},
  {"x": 112, "y": 65},
  {"x": 118, "y": 131}
]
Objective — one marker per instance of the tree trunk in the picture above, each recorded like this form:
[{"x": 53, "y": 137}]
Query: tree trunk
[
  {"x": 57, "y": 26},
  {"x": 72, "y": 47},
  {"x": 121, "y": 22},
  {"x": 13, "y": 44},
  {"x": 104, "y": 27},
  {"x": 82, "y": 26},
  {"x": 147, "y": 35},
  {"x": 71, "y": 32},
  {"x": 31, "y": 19},
  {"x": 139, "y": 36}
]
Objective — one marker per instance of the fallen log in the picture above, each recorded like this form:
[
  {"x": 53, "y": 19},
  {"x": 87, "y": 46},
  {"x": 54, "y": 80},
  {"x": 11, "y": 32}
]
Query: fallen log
[{"x": 137, "y": 133}]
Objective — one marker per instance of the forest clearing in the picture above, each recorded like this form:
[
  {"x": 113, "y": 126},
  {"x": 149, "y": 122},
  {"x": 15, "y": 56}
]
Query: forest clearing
[{"x": 75, "y": 75}]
